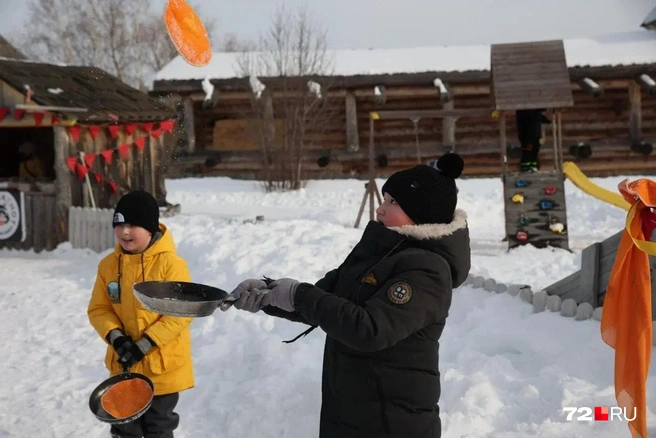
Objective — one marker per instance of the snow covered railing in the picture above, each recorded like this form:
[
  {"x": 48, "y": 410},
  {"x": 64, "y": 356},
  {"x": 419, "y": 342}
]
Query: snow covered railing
[{"x": 91, "y": 228}]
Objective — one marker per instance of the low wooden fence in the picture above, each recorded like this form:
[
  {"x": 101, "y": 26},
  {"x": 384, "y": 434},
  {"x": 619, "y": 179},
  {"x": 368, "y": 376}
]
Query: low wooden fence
[
  {"x": 40, "y": 223},
  {"x": 589, "y": 284},
  {"x": 91, "y": 228}
]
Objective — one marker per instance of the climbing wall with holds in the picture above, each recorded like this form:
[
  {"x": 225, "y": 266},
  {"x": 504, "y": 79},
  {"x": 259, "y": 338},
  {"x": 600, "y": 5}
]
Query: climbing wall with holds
[{"x": 535, "y": 209}]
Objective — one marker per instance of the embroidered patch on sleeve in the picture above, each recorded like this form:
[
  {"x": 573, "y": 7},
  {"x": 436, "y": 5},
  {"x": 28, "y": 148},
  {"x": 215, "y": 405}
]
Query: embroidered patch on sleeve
[{"x": 400, "y": 292}]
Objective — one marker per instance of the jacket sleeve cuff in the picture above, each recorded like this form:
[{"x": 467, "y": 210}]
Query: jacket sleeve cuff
[{"x": 305, "y": 298}]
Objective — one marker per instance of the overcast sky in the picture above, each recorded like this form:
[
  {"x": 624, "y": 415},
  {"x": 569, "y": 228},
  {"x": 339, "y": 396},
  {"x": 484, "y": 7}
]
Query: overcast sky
[{"x": 408, "y": 23}]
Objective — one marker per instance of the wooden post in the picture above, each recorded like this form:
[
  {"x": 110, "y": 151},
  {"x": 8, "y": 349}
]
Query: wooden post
[
  {"x": 503, "y": 141},
  {"x": 352, "y": 139},
  {"x": 63, "y": 199},
  {"x": 449, "y": 129},
  {"x": 188, "y": 125},
  {"x": 554, "y": 129},
  {"x": 635, "y": 119}
]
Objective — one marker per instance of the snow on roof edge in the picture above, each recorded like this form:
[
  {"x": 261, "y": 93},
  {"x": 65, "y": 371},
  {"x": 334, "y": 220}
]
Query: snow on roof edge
[{"x": 623, "y": 48}]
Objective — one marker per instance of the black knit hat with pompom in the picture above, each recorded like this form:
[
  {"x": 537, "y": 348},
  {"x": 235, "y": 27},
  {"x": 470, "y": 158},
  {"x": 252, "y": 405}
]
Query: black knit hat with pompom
[{"x": 428, "y": 195}]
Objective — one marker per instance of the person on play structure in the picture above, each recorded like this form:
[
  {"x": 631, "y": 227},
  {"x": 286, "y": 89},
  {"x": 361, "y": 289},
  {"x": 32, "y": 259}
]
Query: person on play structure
[
  {"x": 137, "y": 339},
  {"x": 529, "y": 131},
  {"x": 384, "y": 308}
]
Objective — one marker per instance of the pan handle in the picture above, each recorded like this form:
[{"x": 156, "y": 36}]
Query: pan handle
[{"x": 230, "y": 300}]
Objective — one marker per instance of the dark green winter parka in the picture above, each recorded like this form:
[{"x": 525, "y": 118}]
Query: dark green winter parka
[{"x": 384, "y": 310}]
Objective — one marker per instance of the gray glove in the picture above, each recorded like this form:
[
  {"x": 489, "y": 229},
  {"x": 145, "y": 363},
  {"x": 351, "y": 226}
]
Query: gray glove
[
  {"x": 249, "y": 294},
  {"x": 282, "y": 294}
]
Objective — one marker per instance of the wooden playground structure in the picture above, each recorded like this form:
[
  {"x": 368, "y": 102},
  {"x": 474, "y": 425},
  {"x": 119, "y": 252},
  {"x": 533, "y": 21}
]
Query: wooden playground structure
[{"x": 524, "y": 76}]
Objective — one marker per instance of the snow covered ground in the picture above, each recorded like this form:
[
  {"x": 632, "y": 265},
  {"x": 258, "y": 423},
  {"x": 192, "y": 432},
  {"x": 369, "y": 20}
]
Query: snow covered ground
[{"x": 506, "y": 372}]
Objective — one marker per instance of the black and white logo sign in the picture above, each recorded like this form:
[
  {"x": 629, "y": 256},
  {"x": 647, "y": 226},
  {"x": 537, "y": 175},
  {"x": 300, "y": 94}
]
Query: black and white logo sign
[{"x": 12, "y": 223}]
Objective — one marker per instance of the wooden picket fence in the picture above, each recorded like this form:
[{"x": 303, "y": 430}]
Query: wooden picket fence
[{"x": 91, "y": 228}]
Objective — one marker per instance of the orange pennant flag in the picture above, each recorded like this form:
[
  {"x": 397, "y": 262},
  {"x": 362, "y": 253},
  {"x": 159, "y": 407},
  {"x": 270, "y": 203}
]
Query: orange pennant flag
[
  {"x": 187, "y": 33},
  {"x": 626, "y": 322}
]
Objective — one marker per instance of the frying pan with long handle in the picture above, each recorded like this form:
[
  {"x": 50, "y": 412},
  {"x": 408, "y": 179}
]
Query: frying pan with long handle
[{"x": 182, "y": 299}]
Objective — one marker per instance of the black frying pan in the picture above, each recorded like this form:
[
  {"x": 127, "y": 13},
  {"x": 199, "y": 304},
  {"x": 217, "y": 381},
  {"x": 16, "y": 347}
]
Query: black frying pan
[{"x": 95, "y": 404}]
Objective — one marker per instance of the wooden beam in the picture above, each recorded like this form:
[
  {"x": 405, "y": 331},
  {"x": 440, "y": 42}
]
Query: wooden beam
[
  {"x": 635, "y": 117},
  {"x": 352, "y": 137},
  {"x": 432, "y": 114},
  {"x": 63, "y": 197}
]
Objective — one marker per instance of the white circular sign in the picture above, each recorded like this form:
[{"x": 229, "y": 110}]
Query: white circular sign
[{"x": 9, "y": 215}]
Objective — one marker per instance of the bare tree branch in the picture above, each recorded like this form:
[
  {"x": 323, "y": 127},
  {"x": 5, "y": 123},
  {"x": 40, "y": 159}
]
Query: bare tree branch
[{"x": 123, "y": 37}]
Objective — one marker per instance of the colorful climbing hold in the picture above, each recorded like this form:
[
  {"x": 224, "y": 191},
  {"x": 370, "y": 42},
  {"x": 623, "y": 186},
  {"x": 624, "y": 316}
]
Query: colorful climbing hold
[
  {"x": 546, "y": 205},
  {"x": 549, "y": 190},
  {"x": 522, "y": 236},
  {"x": 518, "y": 198},
  {"x": 524, "y": 220},
  {"x": 557, "y": 227},
  {"x": 521, "y": 183}
]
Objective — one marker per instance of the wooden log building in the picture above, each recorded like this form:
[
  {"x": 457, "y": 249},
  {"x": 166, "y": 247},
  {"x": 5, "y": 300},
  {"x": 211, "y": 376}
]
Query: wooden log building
[
  {"x": 609, "y": 129},
  {"x": 72, "y": 136}
]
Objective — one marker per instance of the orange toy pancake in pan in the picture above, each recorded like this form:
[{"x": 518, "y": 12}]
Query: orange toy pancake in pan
[{"x": 126, "y": 398}]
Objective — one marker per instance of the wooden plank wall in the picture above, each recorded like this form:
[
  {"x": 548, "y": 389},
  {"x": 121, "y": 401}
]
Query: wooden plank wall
[{"x": 603, "y": 121}]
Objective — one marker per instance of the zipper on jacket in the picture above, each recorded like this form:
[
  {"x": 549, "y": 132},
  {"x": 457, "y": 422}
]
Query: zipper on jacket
[{"x": 383, "y": 403}]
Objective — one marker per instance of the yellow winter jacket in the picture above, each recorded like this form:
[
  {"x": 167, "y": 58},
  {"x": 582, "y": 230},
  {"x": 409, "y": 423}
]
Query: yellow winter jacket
[{"x": 169, "y": 364}]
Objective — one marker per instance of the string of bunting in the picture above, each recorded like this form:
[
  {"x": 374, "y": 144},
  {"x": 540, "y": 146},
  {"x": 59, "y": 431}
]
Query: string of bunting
[
  {"x": 81, "y": 164},
  {"x": 19, "y": 114}
]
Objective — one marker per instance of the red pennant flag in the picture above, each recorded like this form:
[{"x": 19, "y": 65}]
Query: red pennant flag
[
  {"x": 131, "y": 128},
  {"x": 88, "y": 159},
  {"x": 167, "y": 126},
  {"x": 75, "y": 133},
  {"x": 113, "y": 130},
  {"x": 107, "y": 155},
  {"x": 156, "y": 132},
  {"x": 114, "y": 186},
  {"x": 54, "y": 119},
  {"x": 148, "y": 127},
  {"x": 81, "y": 170},
  {"x": 124, "y": 149},
  {"x": 140, "y": 142},
  {"x": 70, "y": 162},
  {"x": 94, "y": 131},
  {"x": 98, "y": 177},
  {"x": 38, "y": 118},
  {"x": 3, "y": 113},
  {"x": 18, "y": 114}
]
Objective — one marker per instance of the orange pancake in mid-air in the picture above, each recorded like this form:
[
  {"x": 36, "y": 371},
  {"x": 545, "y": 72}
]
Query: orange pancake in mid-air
[
  {"x": 126, "y": 398},
  {"x": 188, "y": 33}
]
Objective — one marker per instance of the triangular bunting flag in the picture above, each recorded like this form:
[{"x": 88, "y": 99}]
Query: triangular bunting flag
[
  {"x": 131, "y": 128},
  {"x": 148, "y": 126},
  {"x": 114, "y": 186},
  {"x": 88, "y": 159},
  {"x": 81, "y": 170},
  {"x": 113, "y": 130},
  {"x": 140, "y": 142},
  {"x": 124, "y": 149},
  {"x": 75, "y": 133},
  {"x": 38, "y": 118},
  {"x": 54, "y": 119},
  {"x": 156, "y": 132},
  {"x": 94, "y": 131},
  {"x": 18, "y": 114},
  {"x": 167, "y": 126},
  {"x": 98, "y": 177},
  {"x": 70, "y": 162},
  {"x": 107, "y": 155},
  {"x": 3, "y": 113}
]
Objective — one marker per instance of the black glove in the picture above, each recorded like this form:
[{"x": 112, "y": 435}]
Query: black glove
[
  {"x": 120, "y": 342},
  {"x": 135, "y": 352}
]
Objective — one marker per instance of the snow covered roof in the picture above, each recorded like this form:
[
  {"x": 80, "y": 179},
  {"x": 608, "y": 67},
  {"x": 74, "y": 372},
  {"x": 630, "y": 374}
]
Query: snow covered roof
[
  {"x": 626, "y": 48},
  {"x": 650, "y": 20}
]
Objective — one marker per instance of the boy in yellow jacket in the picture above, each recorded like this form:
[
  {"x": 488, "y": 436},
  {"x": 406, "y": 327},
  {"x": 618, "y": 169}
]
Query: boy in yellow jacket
[{"x": 139, "y": 340}]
